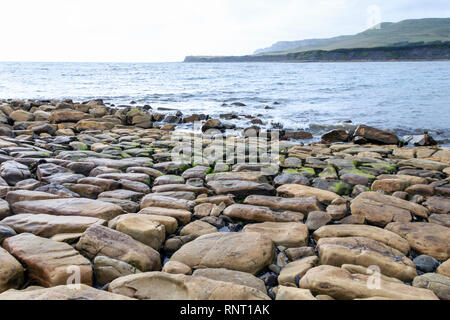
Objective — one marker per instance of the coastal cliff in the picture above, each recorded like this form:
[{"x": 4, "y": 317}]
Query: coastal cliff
[{"x": 418, "y": 52}]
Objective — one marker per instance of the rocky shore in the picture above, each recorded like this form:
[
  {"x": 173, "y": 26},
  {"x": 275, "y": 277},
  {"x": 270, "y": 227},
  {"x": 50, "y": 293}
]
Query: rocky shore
[{"x": 90, "y": 194}]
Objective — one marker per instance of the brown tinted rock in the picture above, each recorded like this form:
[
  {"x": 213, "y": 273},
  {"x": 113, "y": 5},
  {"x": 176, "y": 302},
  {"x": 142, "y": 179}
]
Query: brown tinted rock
[
  {"x": 183, "y": 216},
  {"x": 262, "y": 214},
  {"x": 170, "y": 224},
  {"x": 438, "y": 205},
  {"x": 107, "y": 269},
  {"x": 236, "y": 277},
  {"x": 248, "y": 252},
  {"x": 303, "y": 205},
  {"x": 156, "y": 200},
  {"x": 337, "y": 135},
  {"x": 380, "y": 209},
  {"x": 300, "y": 191},
  {"x": 375, "y": 135},
  {"x": 444, "y": 268},
  {"x": 103, "y": 241},
  {"x": 27, "y": 195},
  {"x": 165, "y": 286},
  {"x": 287, "y": 234},
  {"x": 84, "y": 292},
  {"x": 11, "y": 271},
  {"x": 389, "y": 185},
  {"x": 48, "y": 262},
  {"x": 435, "y": 282},
  {"x": 421, "y": 189},
  {"x": 341, "y": 284},
  {"x": 426, "y": 238},
  {"x": 348, "y": 230},
  {"x": 4, "y": 209},
  {"x": 175, "y": 267},
  {"x": 366, "y": 252},
  {"x": 297, "y": 253},
  {"x": 59, "y": 116},
  {"x": 289, "y": 274},
  {"x": 197, "y": 228},
  {"x": 142, "y": 229},
  {"x": 317, "y": 219},
  {"x": 70, "y": 207},
  {"x": 46, "y": 226},
  {"x": 104, "y": 184}
]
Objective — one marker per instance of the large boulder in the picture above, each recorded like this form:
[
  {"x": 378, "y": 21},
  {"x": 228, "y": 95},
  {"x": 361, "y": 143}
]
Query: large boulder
[
  {"x": 46, "y": 226},
  {"x": 262, "y": 214},
  {"x": 375, "y": 135},
  {"x": 287, "y": 234},
  {"x": 4, "y": 209},
  {"x": 381, "y": 209},
  {"x": 303, "y": 205},
  {"x": 83, "y": 292},
  {"x": 437, "y": 283},
  {"x": 49, "y": 263},
  {"x": 366, "y": 252},
  {"x": 165, "y": 286},
  {"x": 241, "y": 188},
  {"x": 143, "y": 229},
  {"x": 248, "y": 252},
  {"x": 11, "y": 271},
  {"x": 107, "y": 269},
  {"x": 236, "y": 277},
  {"x": 300, "y": 191},
  {"x": 296, "y": 269},
  {"x": 156, "y": 200},
  {"x": 70, "y": 207},
  {"x": 13, "y": 172},
  {"x": 67, "y": 115},
  {"x": 102, "y": 241},
  {"x": 352, "y": 230},
  {"x": 426, "y": 238},
  {"x": 341, "y": 284}
]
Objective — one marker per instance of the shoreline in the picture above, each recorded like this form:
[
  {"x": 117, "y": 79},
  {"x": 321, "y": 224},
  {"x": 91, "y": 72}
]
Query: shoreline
[{"x": 100, "y": 189}]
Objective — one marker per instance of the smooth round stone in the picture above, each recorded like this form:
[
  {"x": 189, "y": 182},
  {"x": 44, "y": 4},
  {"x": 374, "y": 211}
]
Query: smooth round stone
[{"x": 426, "y": 263}]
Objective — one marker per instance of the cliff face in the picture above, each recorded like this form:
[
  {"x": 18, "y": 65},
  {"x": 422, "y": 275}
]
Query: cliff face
[{"x": 436, "y": 51}]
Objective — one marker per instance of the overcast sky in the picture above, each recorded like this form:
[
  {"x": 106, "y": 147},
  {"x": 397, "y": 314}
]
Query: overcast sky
[{"x": 168, "y": 30}]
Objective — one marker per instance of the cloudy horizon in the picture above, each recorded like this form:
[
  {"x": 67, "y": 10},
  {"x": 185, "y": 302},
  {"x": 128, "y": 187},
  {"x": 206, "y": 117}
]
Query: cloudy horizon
[{"x": 155, "y": 31}]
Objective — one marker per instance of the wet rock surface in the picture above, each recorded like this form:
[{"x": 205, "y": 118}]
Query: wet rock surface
[{"x": 96, "y": 187}]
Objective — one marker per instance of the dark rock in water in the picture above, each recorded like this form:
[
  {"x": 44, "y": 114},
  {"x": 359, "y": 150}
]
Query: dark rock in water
[
  {"x": 337, "y": 135},
  {"x": 212, "y": 124},
  {"x": 297, "y": 135},
  {"x": 359, "y": 140},
  {"x": 172, "y": 119},
  {"x": 277, "y": 125},
  {"x": 375, "y": 135},
  {"x": 268, "y": 108},
  {"x": 194, "y": 117},
  {"x": 238, "y": 104},
  {"x": 426, "y": 263},
  {"x": 256, "y": 121},
  {"x": 229, "y": 116}
]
